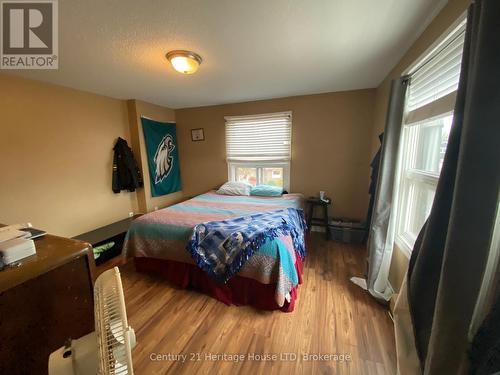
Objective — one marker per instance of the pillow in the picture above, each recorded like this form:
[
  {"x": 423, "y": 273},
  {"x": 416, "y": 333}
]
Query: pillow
[
  {"x": 267, "y": 191},
  {"x": 235, "y": 188}
]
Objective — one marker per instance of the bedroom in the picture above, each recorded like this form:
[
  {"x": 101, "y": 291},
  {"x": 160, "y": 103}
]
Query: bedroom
[{"x": 291, "y": 94}]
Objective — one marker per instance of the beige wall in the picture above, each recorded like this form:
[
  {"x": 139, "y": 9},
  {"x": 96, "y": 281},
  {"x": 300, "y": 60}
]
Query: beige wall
[
  {"x": 331, "y": 145},
  {"x": 56, "y": 157},
  {"x": 448, "y": 15},
  {"x": 136, "y": 109},
  {"x": 56, "y": 152}
]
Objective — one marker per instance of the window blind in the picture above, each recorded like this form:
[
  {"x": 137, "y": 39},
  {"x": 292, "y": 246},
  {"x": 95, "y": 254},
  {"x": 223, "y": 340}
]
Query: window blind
[
  {"x": 259, "y": 138},
  {"x": 438, "y": 75}
]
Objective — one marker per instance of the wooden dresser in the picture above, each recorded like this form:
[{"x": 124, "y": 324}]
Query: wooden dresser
[{"x": 43, "y": 302}]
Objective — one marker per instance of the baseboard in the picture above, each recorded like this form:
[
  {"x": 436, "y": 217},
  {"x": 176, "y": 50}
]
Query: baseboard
[{"x": 316, "y": 228}]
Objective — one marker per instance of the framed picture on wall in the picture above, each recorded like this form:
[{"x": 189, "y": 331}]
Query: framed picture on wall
[{"x": 197, "y": 134}]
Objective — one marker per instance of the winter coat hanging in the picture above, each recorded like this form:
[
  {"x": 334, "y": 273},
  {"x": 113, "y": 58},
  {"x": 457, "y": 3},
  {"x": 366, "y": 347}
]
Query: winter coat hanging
[{"x": 126, "y": 174}]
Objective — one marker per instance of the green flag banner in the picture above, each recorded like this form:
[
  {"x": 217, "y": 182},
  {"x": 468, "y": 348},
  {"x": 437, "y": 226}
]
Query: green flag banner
[{"x": 163, "y": 156}]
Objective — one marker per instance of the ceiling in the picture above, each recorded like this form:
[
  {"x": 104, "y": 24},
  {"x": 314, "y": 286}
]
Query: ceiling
[{"x": 251, "y": 49}]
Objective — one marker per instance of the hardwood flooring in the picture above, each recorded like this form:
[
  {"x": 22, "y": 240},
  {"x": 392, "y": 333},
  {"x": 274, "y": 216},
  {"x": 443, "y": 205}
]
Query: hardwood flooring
[{"x": 332, "y": 317}]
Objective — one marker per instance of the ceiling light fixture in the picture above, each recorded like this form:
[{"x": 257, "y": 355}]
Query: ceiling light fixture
[{"x": 185, "y": 62}]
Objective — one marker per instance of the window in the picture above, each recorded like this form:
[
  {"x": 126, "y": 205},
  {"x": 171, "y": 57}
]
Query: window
[
  {"x": 426, "y": 127},
  {"x": 259, "y": 148}
]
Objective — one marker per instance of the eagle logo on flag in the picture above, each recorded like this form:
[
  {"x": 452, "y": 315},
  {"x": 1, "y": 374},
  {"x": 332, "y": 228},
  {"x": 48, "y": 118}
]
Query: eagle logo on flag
[{"x": 163, "y": 158}]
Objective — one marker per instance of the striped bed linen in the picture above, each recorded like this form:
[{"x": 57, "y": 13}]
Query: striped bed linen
[{"x": 164, "y": 234}]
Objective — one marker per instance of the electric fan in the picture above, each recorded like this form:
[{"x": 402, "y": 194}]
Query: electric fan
[{"x": 106, "y": 351}]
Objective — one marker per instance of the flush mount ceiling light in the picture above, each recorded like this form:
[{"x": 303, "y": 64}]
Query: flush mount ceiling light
[{"x": 185, "y": 62}]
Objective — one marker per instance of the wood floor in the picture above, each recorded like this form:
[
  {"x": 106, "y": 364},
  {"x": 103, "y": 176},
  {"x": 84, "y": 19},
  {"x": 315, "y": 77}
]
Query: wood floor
[{"x": 332, "y": 317}]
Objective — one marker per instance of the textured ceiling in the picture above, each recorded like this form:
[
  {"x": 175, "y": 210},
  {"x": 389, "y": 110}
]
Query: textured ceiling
[{"x": 251, "y": 49}]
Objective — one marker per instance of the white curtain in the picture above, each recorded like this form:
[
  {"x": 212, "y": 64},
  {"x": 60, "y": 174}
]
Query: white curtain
[
  {"x": 381, "y": 288},
  {"x": 382, "y": 228}
]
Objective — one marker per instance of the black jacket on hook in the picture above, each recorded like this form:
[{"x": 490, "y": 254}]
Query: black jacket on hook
[{"x": 126, "y": 174}]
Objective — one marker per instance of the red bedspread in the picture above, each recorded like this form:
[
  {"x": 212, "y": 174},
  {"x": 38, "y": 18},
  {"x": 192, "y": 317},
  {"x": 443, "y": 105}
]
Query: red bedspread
[{"x": 237, "y": 291}]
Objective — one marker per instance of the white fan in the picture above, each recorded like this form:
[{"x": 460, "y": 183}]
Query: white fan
[{"x": 106, "y": 351}]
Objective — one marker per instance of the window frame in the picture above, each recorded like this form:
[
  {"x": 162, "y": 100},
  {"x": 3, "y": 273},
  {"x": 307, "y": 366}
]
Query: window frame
[
  {"x": 231, "y": 172},
  {"x": 260, "y": 164},
  {"x": 406, "y": 177},
  {"x": 405, "y": 173}
]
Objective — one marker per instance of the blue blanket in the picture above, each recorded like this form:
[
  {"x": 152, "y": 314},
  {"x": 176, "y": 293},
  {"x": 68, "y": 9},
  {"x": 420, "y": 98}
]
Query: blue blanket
[{"x": 221, "y": 248}]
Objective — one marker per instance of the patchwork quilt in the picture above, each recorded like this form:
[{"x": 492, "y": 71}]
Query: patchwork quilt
[{"x": 164, "y": 234}]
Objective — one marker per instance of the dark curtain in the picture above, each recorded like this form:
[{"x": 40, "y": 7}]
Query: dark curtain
[
  {"x": 450, "y": 254},
  {"x": 484, "y": 353},
  {"x": 375, "y": 164}
]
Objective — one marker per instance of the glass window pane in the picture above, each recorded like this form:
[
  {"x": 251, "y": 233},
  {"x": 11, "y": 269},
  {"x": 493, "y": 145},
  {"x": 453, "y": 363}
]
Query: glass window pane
[
  {"x": 272, "y": 176},
  {"x": 419, "y": 204},
  {"x": 248, "y": 175},
  {"x": 430, "y": 144}
]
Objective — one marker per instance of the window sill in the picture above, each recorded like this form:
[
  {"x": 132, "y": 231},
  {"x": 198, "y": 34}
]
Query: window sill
[{"x": 403, "y": 246}]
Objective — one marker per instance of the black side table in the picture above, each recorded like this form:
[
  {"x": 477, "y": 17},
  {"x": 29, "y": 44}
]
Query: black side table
[{"x": 313, "y": 202}]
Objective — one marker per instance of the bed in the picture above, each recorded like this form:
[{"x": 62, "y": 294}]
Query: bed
[{"x": 268, "y": 280}]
